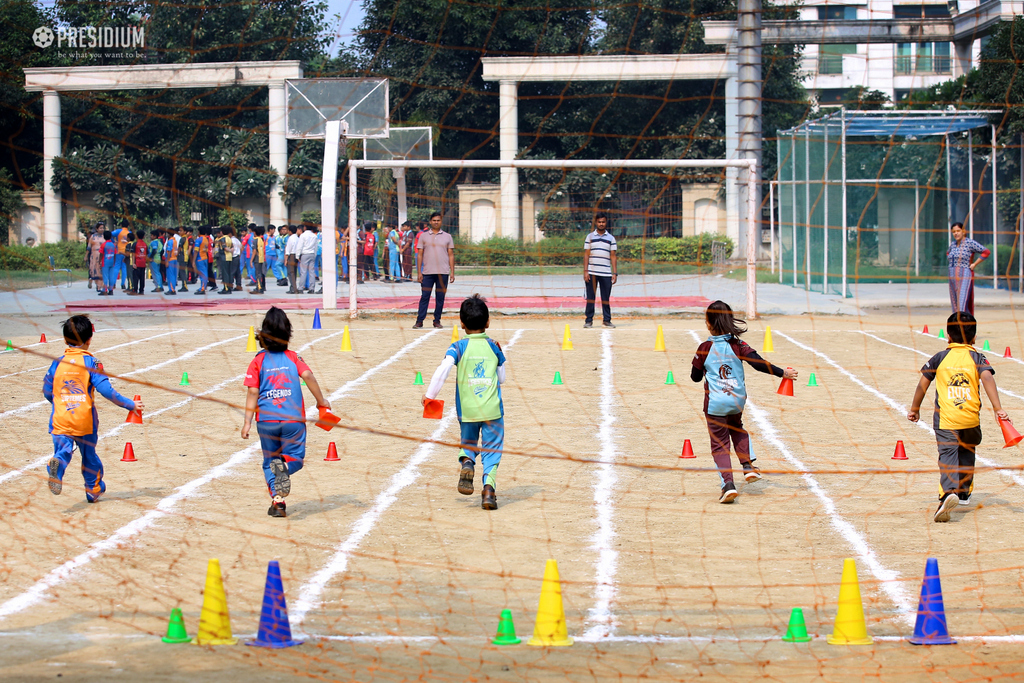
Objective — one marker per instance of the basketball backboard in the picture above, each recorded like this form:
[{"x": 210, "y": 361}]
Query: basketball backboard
[
  {"x": 415, "y": 143},
  {"x": 362, "y": 103}
]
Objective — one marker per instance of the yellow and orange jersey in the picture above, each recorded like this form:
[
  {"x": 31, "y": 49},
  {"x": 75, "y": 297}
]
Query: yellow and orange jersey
[
  {"x": 956, "y": 372},
  {"x": 70, "y": 385}
]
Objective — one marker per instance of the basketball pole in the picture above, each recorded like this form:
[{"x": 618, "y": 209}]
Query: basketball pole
[{"x": 333, "y": 134}]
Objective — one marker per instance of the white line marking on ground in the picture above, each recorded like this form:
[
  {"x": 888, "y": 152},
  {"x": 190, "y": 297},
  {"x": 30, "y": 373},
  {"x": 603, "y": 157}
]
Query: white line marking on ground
[
  {"x": 600, "y": 615},
  {"x": 933, "y": 336},
  {"x": 37, "y": 591},
  {"x": 897, "y": 406},
  {"x": 311, "y": 592},
  {"x": 109, "y": 348}
]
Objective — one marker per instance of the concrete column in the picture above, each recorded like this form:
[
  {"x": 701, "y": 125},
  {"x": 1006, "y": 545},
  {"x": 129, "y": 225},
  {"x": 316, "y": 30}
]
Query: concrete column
[
  {"x": 53, "y": 224},
  {"x": 962, "y": 53},
  {"x": 278, "y": 152},
  {"x": 403, "y": 211},
  {"x": 748, "y": 75},
  {"x": 732, "y": 192},
  {"x": 508, "y": 119}
]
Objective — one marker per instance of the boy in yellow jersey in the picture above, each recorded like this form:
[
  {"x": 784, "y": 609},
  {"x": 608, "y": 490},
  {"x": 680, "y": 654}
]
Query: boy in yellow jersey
[
  {"x": 958, "y": 371},
  {"x": 70, "y": 385}
]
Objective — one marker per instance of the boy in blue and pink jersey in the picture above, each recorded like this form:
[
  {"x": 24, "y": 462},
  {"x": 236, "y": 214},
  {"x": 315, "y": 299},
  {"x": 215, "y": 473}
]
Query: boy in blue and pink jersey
[
  {"x": 70, "y": 385},
  {"x": 171, "y": 259},
  {"x": 718, "y": 362},
  {"x": 481, "y": 372},
  {"x": 275, "y": 392},
  {"x": 108, "y": 257}
]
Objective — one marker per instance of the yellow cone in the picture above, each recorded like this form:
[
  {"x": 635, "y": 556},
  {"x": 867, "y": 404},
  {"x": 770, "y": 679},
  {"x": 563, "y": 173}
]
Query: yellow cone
[
  {"x": 214, "y": 623},
  {"x": 455, "y": 333},
  {"x": 250, "y": 346},
  {"x": 768, "y": 346},
  {"x": 346, "y": 340},
  {"x": 566, "y": 339},
  {"x": 550, "y": 629},
  {"x": 850, "y": 628},
  {"x": 659, "y": 340}
]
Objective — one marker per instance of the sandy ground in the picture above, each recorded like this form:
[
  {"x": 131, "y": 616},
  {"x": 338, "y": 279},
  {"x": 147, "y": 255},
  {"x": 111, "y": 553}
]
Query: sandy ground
[{"x": 414, "y": 575}]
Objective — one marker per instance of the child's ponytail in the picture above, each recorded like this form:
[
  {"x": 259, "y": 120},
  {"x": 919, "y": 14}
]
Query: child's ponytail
[{"x": 720, "y": 319}]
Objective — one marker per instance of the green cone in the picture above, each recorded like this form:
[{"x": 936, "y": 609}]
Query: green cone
[
  {"x": 985, "y": 346},
  {"x": 184, "y": 380},
  {"x": 419, "y": 380},
  {"x": 10, "y": 346},
  {"x": 797, "y": 631},
  {"x": 558, "y": 378},
  {"x": 506, "y": 630},
  {"x": 670, "y": 379},
  {"x": 942, "y": 334},
  {"x": 812, "y": 381},
  {"x": 176, "y": 628}
]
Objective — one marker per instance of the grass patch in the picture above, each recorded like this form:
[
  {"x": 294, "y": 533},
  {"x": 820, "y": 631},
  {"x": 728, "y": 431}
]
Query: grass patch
[
  {"x": 16, "y": 280},
  {"x": 625, "y": 268}
]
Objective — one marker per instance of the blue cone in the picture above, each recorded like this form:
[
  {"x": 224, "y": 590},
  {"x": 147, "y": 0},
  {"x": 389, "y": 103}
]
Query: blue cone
[
  {"x": 930, "y": 628},
  {"x": 316, "y": 319},
  {"x": 275, "y": 631}
]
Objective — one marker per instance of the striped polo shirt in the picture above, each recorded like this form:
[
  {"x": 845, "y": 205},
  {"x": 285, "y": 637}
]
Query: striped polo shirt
[{"x": 600, "y": 248}]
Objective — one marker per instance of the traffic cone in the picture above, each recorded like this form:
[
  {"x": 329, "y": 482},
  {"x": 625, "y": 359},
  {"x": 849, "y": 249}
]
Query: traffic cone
[
  {"x": 797, "y": 630},
  {"x": 346, "y": 340},
  {"x": 930, "y": 628},
  {"x": 812, "y": 381},
  {"x": 42, "y": 338},
  {"x": 176, "y": 628},
  {"x": 250, "y": 346},
  {"x": 900, "y": 453},
  {"x": 850, "y": 628},
  {"x": 1010, "y": 435},
  {"x": 10, "y": 346},
  {"x": 786, "y": 386},
  {"x": 942, "y": 333},
  {"x": 316, "y": 319},
  {"x": 659, "y": 340},
  {"x": 985, "y": 346},
  {"x": 134, "y": 416},
  {"x": 274, "y": 631},
  {"x": 214, "y": 622},
  {"x": 332, "y": 453},
  {"x": 1007, "y": 354},
  {"x": 670, "y": 378},
  {"x": 184, "y": 380},
  {"x": 558, "y": 379},
  {"x": 550, "y": 629},
  {"x": 455, "y": 333},
  {"x": 687, "y": 450},
  {"x": 129, "y": 453},
  {"x": 433, "y": 409},
  {"x": 566, "y": 339},
  {"x": 418, "y": 382},
  {"x": 768, "y": 347},
  {"x": 925, "y": 331},
  {"x": 506, "y": 630}
]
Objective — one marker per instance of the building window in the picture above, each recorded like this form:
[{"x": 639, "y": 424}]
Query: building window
[
  {"x": 830, "y": 58},
  {"x": 831, "y": 97},
  {"x": 921, "y": 58},
  {"x": 836, "y": 13}
]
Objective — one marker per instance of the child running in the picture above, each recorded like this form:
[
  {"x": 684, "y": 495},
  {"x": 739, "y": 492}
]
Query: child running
[
  {"x": 274, "y": 390},
  {"x": 957, "y": 371},
  {"x": 478, "y": 403},
  {"x": 718, "y": 363},
  {"x": 70, "y": 385}
]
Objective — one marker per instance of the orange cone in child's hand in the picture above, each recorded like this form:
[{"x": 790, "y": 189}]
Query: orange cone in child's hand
[
  {"x": 901, "y": 453},
  {"x": 433, "y": 409},
  {"x": 332, "y": 453},
  {"x": 1010, "y": 435},
  {"x": 129, "y": 453},
  {"x": 786, "y": 387},
  {"x": 134, "y": 416},
  {"x": 687, "y": 450},
  {"x": 327, "y": 419}
]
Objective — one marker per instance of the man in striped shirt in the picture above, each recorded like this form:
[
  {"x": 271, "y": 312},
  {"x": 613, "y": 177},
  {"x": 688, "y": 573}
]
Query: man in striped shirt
[{"x": 600, "y": 269}]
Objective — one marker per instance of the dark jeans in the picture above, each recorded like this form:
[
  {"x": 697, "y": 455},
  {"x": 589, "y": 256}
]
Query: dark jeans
[
  {"x": 138, "y": 283},
  {"x": 440, "y": 282},
  {"x": 722, "y": 430},
  {"x": 605, "y": 283},
  {"x": 224, "y": 269}
]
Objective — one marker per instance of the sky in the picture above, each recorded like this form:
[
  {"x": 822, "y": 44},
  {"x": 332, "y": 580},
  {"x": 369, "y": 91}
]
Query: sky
[{"x": 343, "y": 18}]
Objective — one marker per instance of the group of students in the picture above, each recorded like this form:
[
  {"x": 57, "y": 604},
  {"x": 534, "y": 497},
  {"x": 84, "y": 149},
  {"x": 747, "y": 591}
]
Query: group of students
[
  {"x": 397, "y": 252},
  {"x": 274, "y": 392}
]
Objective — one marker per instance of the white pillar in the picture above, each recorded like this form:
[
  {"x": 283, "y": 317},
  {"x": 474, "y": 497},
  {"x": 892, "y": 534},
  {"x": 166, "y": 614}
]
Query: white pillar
[
  {"x": 353, "y": 229},
  {"x": 278, "y": 153},
  {"x": 53, "y": 223},
  {"x": 403, "y": 212},
  {"x": 508, "y": 127},
  {"x": 732, "y": 191},
  {"x": 328, "y": 211}
]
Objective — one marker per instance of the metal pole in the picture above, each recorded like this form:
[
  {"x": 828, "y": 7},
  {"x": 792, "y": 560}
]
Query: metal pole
[
  {"x": 995, "y": 214},
  {"x": 970, "y": 182},
  {"x": 917, "y": 232},
  {"x": 846, "y": 240},
  {"x": 328, "y": 211},
  {"x": 792, "y": 150},
  {"x": 949, "y": 186},
  {"x": 752, "y": 206},
  {"x": 825, "y": 223},
  {"x": 807, "y": 209},
  {"x": 749, "y": 85},
  {"x": 771, "y": 224},
  {"x": 353, "y": 178}
]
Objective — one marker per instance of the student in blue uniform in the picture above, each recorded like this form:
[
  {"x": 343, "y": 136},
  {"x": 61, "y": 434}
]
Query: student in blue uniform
[
  {"x": 108, "y": 256},
  {"x": 274, "y": 390},
  {"x": 718, "y": 362}
]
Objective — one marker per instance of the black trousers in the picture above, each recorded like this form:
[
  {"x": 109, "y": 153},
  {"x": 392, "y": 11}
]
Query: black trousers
[
  {"x": 605, "y": 283},
  {"x": 139, "y": 279},
  {"x": 440, "y": 284}
]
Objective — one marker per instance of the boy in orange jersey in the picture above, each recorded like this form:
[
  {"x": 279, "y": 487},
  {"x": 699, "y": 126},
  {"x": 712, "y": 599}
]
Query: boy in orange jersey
[{"x": 69, "y": 385}]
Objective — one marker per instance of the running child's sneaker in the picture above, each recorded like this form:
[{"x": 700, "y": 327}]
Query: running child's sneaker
[
  {"x": 277, "y": 509},
  {"x": 52, "y": 468},
  {"x": 729, "y": 493},
  {"x": 949, "y": 501},
  {"x": 965, "y": 498},
  {"x": 466, "y": 477},
  {"x": 488, "y": 501},
  {"x": 282, "y": 480},
  {"x": 751, "y": 473}
]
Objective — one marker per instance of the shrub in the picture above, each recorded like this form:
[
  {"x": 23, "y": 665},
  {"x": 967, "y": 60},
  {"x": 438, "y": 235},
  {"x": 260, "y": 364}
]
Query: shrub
[
  {"x": 233, "y": 217},
  {"x": 567, "y": 250},
  {"x": 35, "y": 258}
]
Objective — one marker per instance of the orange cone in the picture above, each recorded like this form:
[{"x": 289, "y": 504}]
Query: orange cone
[
  {"x": 332, "y": 453},
  {"x": 134, "y": 416},
  {"x": 42, "y": 338},
  {"x": 687, "y": 450},
  {"x": 1007, "y": 354},
  {"x": 925, "y": 330},
  {"x": 786, "y": 386},
  {"x": 1010, "y": 435},
  {"x": 129, "y": 453},
  {"x": 901, "y": 453}
]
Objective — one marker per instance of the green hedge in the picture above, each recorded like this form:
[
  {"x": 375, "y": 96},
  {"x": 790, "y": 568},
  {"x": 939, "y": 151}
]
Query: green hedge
[
  {"x": 21, "y": 257},
  {"x": 568, "y": 251}
]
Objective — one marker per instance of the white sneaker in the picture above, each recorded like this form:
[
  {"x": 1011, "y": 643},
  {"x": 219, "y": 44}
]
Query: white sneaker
[
  {"x": 945, "y": 508},
  {"x": 751, "y": 473},
  {"x": 966, "y": 501}
]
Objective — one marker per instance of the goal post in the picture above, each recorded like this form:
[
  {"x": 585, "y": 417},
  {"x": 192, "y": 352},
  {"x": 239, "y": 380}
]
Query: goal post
[{"x": 330, "y": 265}]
